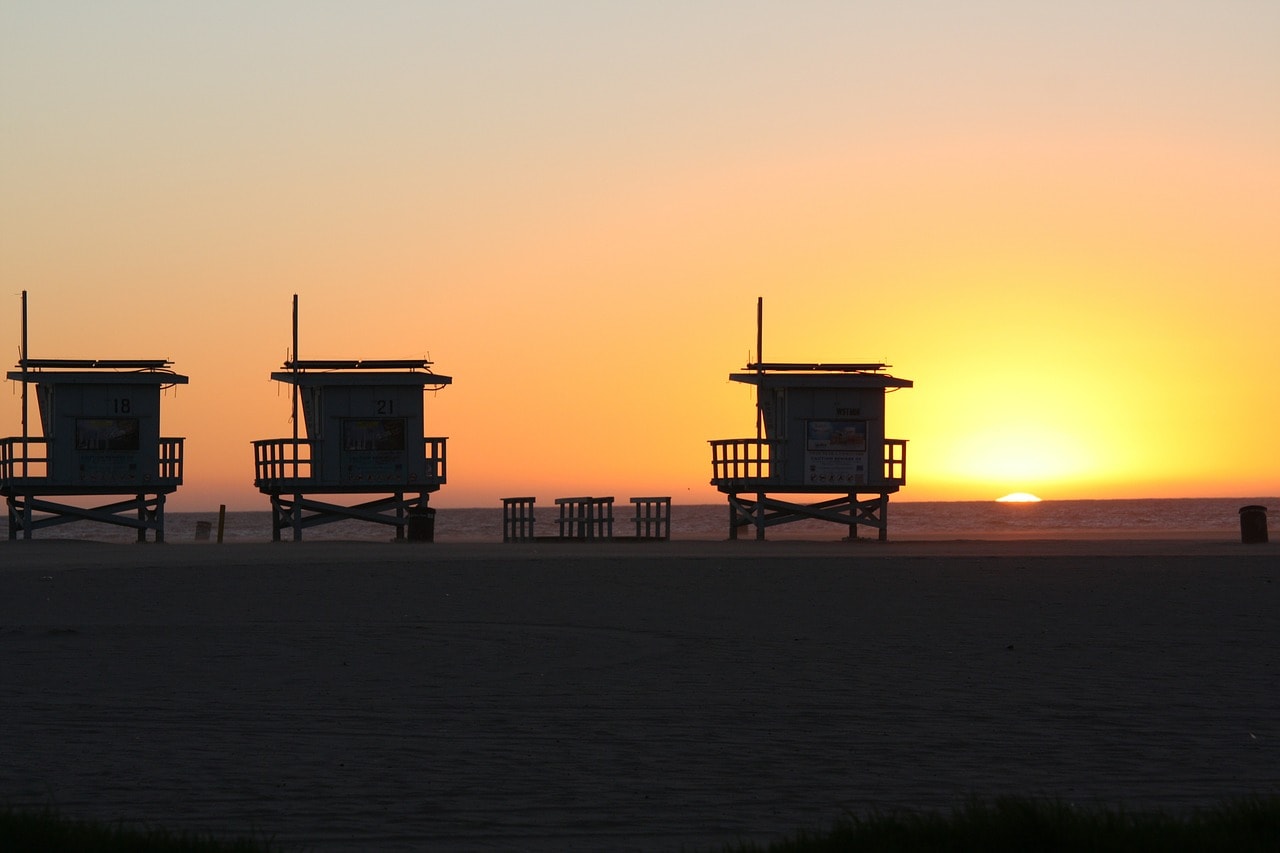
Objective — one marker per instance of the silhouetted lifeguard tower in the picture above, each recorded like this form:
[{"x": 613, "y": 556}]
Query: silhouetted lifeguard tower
[
  {"x": 101, "y": 436},
  {"x": 820, "y": 430},
  {"x": 364, "y": 435}
]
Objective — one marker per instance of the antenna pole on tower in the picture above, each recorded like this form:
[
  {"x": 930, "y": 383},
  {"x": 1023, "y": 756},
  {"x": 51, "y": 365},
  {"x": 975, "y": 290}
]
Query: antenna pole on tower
[
  {"x": 759, "y": 365},
  {"x": 23, "y": 359},
  {"x": 295, "y": 386}
]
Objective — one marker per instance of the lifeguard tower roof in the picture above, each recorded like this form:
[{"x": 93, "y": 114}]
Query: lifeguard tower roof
[
  {"x": 117, "y": 371},
  {"x": 817, "y": 375},
  {"x": 360, "y": 372}
]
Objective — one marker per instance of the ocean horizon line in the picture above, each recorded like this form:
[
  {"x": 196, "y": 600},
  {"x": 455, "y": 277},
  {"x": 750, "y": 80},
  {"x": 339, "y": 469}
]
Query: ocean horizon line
[{"x": 895, "y": 502}]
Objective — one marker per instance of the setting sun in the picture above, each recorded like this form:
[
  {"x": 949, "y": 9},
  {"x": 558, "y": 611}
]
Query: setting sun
[{"x": 1018, "y": 498}]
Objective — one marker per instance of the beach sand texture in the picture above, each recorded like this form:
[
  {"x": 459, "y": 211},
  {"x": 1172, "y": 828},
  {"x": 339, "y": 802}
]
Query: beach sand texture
[{"x": 344, "y": 696}]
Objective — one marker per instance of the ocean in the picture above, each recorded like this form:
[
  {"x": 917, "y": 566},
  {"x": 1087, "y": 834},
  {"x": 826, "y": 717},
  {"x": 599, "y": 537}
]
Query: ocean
[{"x": 938, "y": 520}]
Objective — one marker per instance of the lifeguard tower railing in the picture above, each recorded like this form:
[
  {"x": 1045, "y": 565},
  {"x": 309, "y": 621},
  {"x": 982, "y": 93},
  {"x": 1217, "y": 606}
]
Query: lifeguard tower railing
[
  {"x": 286, "y": 465},
  {"x": 750, "y": 464},
  {"x": 24, "y": 464}
]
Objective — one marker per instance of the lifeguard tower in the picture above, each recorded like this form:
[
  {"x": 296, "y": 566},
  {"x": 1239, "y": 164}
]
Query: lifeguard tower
[
  {"x": 101, "y": 436},
  {"x": 820, "y": 430},
  {"x": 364, "y": 435}
]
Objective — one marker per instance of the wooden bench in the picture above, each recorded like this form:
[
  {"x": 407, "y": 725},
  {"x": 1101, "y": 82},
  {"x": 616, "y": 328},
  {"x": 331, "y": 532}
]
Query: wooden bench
[
  {"x": 585, "y": 518},
  {"x": 517, "y": 519},
  {"x": 652, "y": 517}
]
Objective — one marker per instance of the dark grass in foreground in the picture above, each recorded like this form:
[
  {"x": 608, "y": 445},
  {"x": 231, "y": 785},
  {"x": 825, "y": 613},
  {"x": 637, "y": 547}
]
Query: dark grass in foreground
[
  {"x": 1002, "y": 825},
  {"x": 48, "y": 831},
  {"x": 1016, "y": 824}
]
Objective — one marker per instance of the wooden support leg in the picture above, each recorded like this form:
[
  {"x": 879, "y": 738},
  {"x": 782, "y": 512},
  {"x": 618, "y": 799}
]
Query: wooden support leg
[
  {"x": 275, "y": 518},
  {"x": 159, "y": 518}
]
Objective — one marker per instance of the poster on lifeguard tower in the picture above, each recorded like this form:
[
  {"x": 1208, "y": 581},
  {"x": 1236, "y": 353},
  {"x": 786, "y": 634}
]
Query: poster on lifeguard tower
[
  {"x": 835, "y": 453},
  {"x": 107, "y": 451},
  {"x": 373, "y": 450}
]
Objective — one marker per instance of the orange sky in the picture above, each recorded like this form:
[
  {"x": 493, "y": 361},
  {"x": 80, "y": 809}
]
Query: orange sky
[{"x": 1060, "y": 224}]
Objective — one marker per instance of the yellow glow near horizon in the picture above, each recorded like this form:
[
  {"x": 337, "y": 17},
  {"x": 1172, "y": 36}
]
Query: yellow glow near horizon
[{"x": 1018, "y": 498}]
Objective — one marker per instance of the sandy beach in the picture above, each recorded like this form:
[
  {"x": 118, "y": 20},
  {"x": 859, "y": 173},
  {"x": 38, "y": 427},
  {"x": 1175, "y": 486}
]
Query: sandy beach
[{"x": 654, "y": 697}]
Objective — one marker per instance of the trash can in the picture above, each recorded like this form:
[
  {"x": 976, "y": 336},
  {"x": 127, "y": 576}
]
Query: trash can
[
  {"x": 422, "y": 524},
  {"x": 202, "y": 531},
  {"x": 1253, "y": 524}
]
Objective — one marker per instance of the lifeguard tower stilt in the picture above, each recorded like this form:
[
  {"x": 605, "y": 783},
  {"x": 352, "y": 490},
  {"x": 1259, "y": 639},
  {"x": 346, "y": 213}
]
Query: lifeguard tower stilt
[
  {"x": 820, "y": 430},
  {"x": 364, "y": 436},
  {"x": 101, "y": 437}
]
